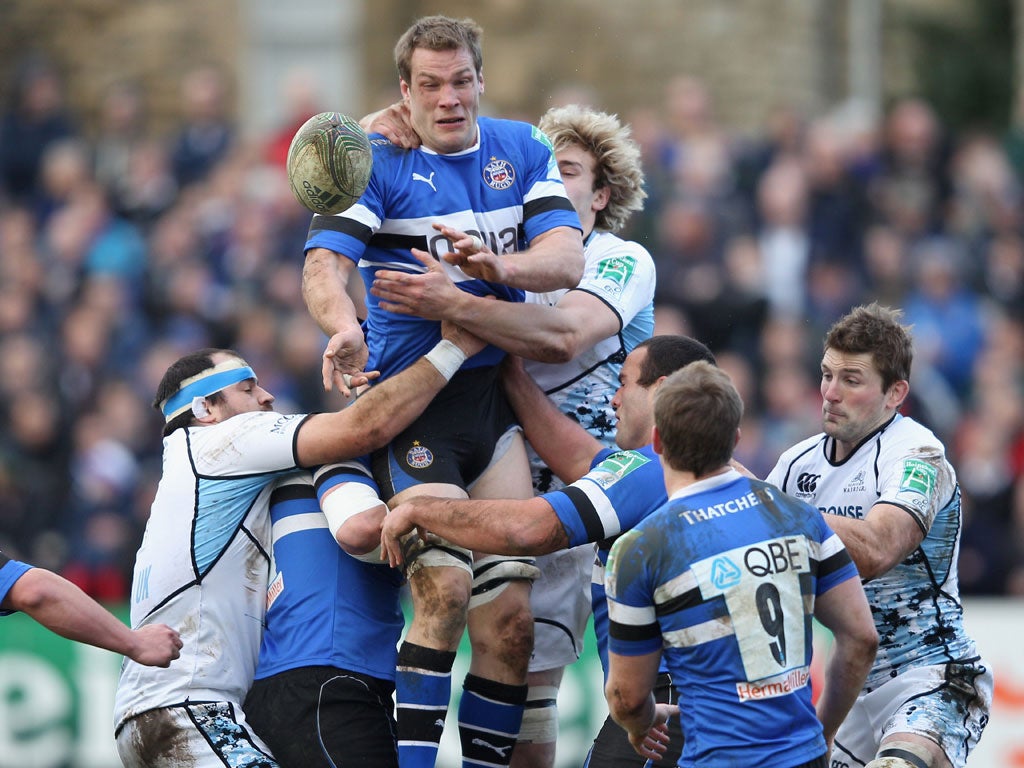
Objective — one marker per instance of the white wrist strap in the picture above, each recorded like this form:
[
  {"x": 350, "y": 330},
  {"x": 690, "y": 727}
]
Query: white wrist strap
[{"x": 446, "y": 357}]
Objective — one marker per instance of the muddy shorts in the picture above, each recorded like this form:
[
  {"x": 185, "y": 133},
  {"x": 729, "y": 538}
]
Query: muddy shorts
[
  {"x": 205, "y": 734},
  {"x": 946, "y": 703}
]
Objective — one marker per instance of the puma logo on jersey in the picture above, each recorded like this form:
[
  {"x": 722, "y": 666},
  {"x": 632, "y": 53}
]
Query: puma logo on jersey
[
  {"x": 500, "y": 750},
  {"x": 425, "y": 179}
]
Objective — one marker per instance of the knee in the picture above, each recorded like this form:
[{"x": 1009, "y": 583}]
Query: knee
[
  {"x": 441, "y": 597},
  {"x": 507, "y": 632}
]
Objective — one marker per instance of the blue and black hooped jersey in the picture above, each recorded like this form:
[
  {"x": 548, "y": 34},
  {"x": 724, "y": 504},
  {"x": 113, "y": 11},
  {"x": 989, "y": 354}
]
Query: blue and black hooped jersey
[{"x": 506, "y": 189}]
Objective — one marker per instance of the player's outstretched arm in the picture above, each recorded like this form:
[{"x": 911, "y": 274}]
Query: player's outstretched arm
[
  {"x": 498, "y": 526},
  {"x": 60, "y": 606},
  {"x": 845, "y": 612},
  {"x": 562, "y": 444},
  {"x": 385, "y": 409}
]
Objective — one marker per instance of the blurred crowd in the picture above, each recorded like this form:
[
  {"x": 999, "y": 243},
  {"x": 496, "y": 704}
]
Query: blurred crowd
[{"x": 122, "y": 248}]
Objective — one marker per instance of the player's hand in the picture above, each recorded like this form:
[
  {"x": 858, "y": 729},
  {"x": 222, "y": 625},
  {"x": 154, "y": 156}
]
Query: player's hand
[
  {"x": 394, "y": 124},
  {"x": 344, "y": 360},
  {"x": 653, "y": 743},
  {"x": 396, "y": 525},
  {"x": 430, "y": 294},
  {"x": 156, "y": 645},
  {"x": 473, "y": 257}
]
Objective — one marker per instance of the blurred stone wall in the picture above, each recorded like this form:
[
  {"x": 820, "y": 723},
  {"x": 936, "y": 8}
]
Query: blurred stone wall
[
  {"x": 98, "y": 42},
  {"x": 754, "y": 54}
]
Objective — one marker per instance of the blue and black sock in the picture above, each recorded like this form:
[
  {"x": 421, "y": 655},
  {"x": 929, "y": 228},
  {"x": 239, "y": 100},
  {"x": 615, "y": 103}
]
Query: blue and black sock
[
  {"x": 490, "y": 714},
  {"x": 423, "y": 688}
]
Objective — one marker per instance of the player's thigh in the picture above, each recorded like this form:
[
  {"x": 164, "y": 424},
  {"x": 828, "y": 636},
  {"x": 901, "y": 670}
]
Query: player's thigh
[
  {"x": 202, "y": 735},
  {"x": 947, "y": 704},
  {"x": 444, "y": 490},
  {"x": 508, "y": 474}
]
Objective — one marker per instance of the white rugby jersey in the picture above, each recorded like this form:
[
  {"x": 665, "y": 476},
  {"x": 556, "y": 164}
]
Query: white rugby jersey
[
  {"x": 916, "y": 605},
  {"x": 204, "y": 561},
  {"x": 621, "y": 274}
]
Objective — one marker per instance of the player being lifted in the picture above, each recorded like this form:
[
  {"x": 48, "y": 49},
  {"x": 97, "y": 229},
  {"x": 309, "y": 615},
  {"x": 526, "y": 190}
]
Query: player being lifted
[{"x": 484, "y": 197}]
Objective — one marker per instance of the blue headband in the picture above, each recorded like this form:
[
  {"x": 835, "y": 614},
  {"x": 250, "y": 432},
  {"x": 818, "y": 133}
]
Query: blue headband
[{"x": 205, "y": 384}]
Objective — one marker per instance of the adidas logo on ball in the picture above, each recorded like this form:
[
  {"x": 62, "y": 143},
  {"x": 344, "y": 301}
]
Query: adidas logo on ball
[
  {"x": 329, "y": 163},
  {"x": 320, "y": 200}
]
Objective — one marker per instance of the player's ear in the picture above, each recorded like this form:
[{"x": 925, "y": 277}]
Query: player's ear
[
  {"x": 404, "y": 87},
  {"x": 480, "y": 78},
  {"x": 898, "y": 393},
  {"x": 656, "y": 440}
]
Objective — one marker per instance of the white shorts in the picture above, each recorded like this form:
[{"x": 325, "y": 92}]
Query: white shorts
[
  {"x": 560, "y": 602},
  {"x": 946, "y": 703},
  {"x": 209, "y": 734}
]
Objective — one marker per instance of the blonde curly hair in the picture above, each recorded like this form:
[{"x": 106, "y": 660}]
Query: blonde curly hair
[{"x": 618, "y": 161}]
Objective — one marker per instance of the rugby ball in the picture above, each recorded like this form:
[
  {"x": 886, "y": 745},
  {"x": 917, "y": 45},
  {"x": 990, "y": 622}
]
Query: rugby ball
[{"x": 329, "y": 162}]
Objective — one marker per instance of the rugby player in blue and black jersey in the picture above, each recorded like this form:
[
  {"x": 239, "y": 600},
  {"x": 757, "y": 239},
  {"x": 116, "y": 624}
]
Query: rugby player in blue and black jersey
[
  {"x": 721, "y": 584},
  {"x": 609, "y": 491},
  {"x": 484, "y": 197}
]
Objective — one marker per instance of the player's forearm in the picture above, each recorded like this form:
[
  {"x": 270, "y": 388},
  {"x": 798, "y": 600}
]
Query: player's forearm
[
  {"x": 848, "y": 665},
  {"x": 531, "y": 331},
  {"x": 874, "y": 548},
  {"x": 501, "y": 527},
  {"x": 562, "y": 444},
  {"x": 375, "y": 418},
  {"x": 635, "y": 716},
  {"x": 551, "y": 262},
  {"x": 324, "y": 289},
  {"x": 63, "y": 608}
]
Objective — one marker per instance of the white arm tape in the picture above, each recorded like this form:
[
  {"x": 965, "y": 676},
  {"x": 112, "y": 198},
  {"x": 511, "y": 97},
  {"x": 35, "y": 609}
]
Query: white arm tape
[
  {"x": 346, "y": 501},
  {"x": 446, "y": 357}
]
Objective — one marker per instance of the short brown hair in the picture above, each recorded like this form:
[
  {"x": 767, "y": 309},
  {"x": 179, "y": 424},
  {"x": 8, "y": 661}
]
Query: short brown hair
[
  {"x": 439, "y": 33},
  {"x": 876, "y": 330},
  {"x": 697, "y": 411}
]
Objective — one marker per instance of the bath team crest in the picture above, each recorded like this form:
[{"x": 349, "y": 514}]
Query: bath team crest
[
  {"x": 499, "y": 174},
  {"x": 419, "y": 456}
]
